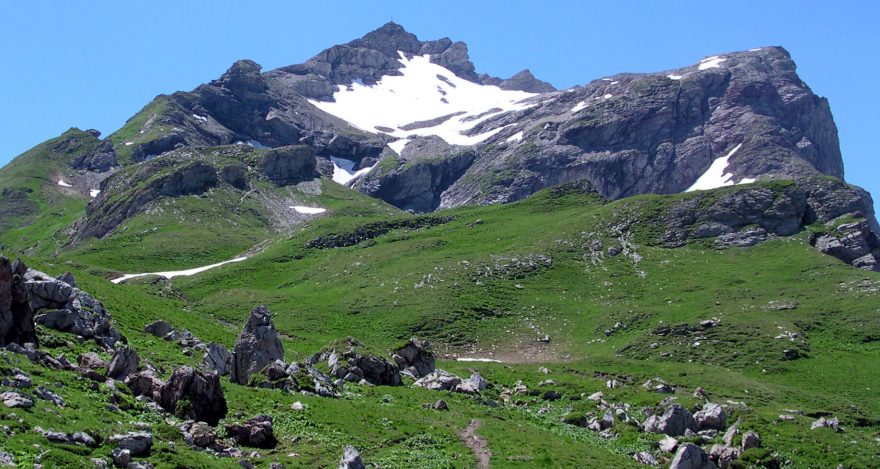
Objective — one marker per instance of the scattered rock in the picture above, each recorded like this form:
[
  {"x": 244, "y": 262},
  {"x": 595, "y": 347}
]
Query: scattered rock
[
  {"x": 668, "y": 444},
  {"x": 832, "y": 423},
  {"x": 439, "y": 380},
  {"x": 298, "y": 406},
  {"x": 121, "y": 457},
  {"x": 13, "y": 399},
  {"x": 711, "y": 417},
  {"x": 218, "y": 358},
  {"x": 199, "y": 434},
  {"x": 145, "y": 383},
  {"x": 137, "y": 443},
  {"x": 440, "y": 405},
  {"x": 674, "y": 422},
  {"x": 43, "y": 393},
  {"x": 415, "y": 358},
  {"x": 646, "y": 458},
  {"x": 723, "y": 455},
  {"x": 16, "y": 314}
]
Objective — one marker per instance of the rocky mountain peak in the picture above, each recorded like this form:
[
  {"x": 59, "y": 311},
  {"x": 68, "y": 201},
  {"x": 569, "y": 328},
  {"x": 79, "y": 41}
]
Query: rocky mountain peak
[{"x": 388, "y": 39}]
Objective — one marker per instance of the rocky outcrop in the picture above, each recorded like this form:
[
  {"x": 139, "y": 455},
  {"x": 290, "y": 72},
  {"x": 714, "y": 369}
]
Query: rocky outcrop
[
  {"x": 674, "y": 422},
  {"x": 351, "y": 459},
  {"x": 145, "y": 383},
  {"x": 123, "y": 363},
  {"x": 194, "y": 394},
  {"x": 415, "y": 358},
  {"x": 101, "y": 159},
  {"x": 288, "y": 165},
  {"x": 257, "y": 346},
  {"x": 16, "y": 314},
  {"x": 348, "y": 361},
  {"x": 711, "y": 417},
  {"x": 218, "y": 358}
]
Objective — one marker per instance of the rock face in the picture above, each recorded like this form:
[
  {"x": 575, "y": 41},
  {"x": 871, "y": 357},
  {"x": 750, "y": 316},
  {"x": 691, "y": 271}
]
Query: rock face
[
  {"x": 16, "y": 315},
  {"x": 123, "y": 363},
  {"x": 218, "y": 358},
  {"x": 289, "y": 165},
  {"x": 194, "y": 394},
  {"x": 101, "y": 159},
  {"x": 257, "y": 346},
  {"x": 415, "y": 358}
]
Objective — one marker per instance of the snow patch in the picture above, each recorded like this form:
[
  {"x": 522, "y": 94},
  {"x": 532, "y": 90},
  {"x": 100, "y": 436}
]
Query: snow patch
[
  {"x": 343, "y": 170},
  {"x": 308, "y": 210},
  {"x": 515, "y": 137},
  {"x": 474, "y": 359},
  {"x": 94, "y": 193},
  {"x": 419, "y": 94},
  {"x": 715, "y": 176},
  {"x": 755, "y": 50},
  {"x": 675, "y": 77},
  {"x": 63, "y": 184},
  {"x": 398, "y": 145},
  {"x": 577, "y": 107},
  {"x": 177, "y": 273},
  {"x": 256, "y": 144},
  {"x": 608, "y": 96},
  {"x": 128, "y": 144},
  {"x": 201, "y": 118},
  {"x": 711, "y": 62}
]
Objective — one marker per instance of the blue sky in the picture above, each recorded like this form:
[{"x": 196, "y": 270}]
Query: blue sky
[{"x": 92, "y": 64}]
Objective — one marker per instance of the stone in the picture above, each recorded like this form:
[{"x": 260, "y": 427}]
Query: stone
[
  {"x": 690, "y": 456},
  {"x": 16, "y": 315},
  {"x": 256, "y": 432},
  {"x": 731, "y": 433},
  {"x": 159, "y": 328},
  {"x": 6, "y": 459},
  {"x": 440, "y": 405},
  {"x": 43, "y": 393},
  {"x": 646, "y": 458},
  {"x": 145, "y": 383},
  {"x": 137, "y": 443},
  {"x": 200, "y": 434},
  {"x": 298, "y": 406},
  {"x": 123, "y": 363},
  {"x": 751, "y": 440},
  {"x": 416, "y": 354},
  {"x": 723, "y": 455},
  {"x": 13, "y": 400},
  {"x": 257, "y": 346},
  {"x": 674, "y": 422},
  {"x": 832, "y": 423},
  {"x": 351, "y": 459},
  {"x": 438, "y": 380},
  {"x": 668, "y": 444},
  {"x": 121, "y": 457},
  {"x": 218, "y": 358},
  {"x": 712, "y": 416},
  {"x": 472, "y": 385},
  {"x": 199, "y": 391}
]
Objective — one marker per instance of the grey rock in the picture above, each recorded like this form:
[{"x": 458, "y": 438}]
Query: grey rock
[
  {"x": 351, "y": 459},
  {"x": 137, "y": 443},
  {"x": 16, "y": 315},
  {"x": 200, "y": 435},
  {"x": 289, "y": 165},
  {"x": 832, "y": 423},
  {"x": 257, "y": 346},
  {"x": 674, "y": 422},
  {"x": 218, "y": 358},
  {"x": 6, "y": 459},
  {"x": 690, "y": 456},
  {"x": 472, "y": 385},
  {"x": 123, "y": 363},
  {"x": 712, "y": 416},
  {"x": 158, "y": 328},
  {"x": 199, "y": 390},
  {"x": 723, "y": 455},
  {"x": 101, "y": 159},
  {"x": 256, "y": 432},
  {"x": 13, "y": 399},
  {"x": 121, "y": 457},
  {"x": 43, "y": 393},
  {"x": 751, "y": 440},
  {"x": 145, "y": 383},
  {"x": 439, "y": 380},
  {"x": 417, "y": 354},
  {"x": 668, "y": 444},
  {"x": 646, "y": 458}
]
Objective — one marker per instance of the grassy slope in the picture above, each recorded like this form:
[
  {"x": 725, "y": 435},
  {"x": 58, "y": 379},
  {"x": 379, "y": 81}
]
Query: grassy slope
[{"x": 431, "y": 283}]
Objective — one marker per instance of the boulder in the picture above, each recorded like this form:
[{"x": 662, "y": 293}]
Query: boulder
[
  {"x": 674, "y": 422},
  {"x": 723, "y": 455},
  {"x": 415, "y": 358},
  {"x": 257, "y": 346},
  {"x": 439, "y": 380},
  {"x": 145, "y": 383},
  {"x": 13, "y": 400},
  {"x": 473, "y": 385},
  {"x": 712, "y": 416},
  {"x": 668, "y": 444},
  {"x": 199, "y": 434},
  {"x": 159, "y": 328},
  {"x": 123, "y": 363},
  {"x": 256, "y": 432},
  {"x": 218, "y": 358},
  {"x": 121, "y": 457},
  {"x": 194, "y": 394},
  {"x": 646, "y": 458},
  {"x": 137, "y": 443},
  {"x": 751, "y": 440},
  {"x": 16, "y": 314},
  {"x": 351, "y": 459},
  {"x": 690, "y": 456}
]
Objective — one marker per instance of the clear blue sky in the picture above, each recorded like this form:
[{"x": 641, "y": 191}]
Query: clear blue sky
[{"x": 92, "y": 64}]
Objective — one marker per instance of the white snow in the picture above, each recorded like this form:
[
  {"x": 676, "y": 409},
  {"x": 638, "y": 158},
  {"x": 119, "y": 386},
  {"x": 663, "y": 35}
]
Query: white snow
[
  {"x": 577, "y": 107},
  {"x": 178, "y": 273},
  {"x": 94, "y": 193},
  {"x": 63, "y": 184},
  {"x": 424, "y": 91},
  {"x": 201, "y": 118},
  {"x": 256, "y": 144},
  {"x": 715, "y": 176},
  {"x": 128, "y": 144},
  {"x": 308, "y": 210},
  {"x": 606, "y": 79},
  {"x": 343, "y": 170},
  {"x": 608, "y": 96},
  {"x": 711, "y": 62},
  {"x": 515, "y": 137},
  {"x": 755, "y": 50},
  {"x": 398, "y": 145},
  {"x": 614, "y": 82},
  {"x": 675, "y": 77},
  {"x": 472, "y": 359}
]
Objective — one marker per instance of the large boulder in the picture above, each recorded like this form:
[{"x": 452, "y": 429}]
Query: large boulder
[
  {"x": 712, "y": 417},
  {"x": 690, "y": 456},
  {"x": 218, "y": 358},
  {"x": 137, "y": 443},
  {"x": 439, "y": 380},
  {"x": 256, "y": 432},
  {"x": 351, "y": 459},
  {"x": 674, "y": 422},
  {"x": 415, "y": 358},
  {"x": 123, "y": 363},
  {"x": 257, "y": 346},
  {"x": 145, "y": 383},
  {"x": 16, "y": 315},
  {"x": 194, "y": 394}
]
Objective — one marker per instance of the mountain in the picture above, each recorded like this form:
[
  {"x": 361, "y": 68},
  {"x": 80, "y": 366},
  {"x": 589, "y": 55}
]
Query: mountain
[{"x": 382, "y": 255}]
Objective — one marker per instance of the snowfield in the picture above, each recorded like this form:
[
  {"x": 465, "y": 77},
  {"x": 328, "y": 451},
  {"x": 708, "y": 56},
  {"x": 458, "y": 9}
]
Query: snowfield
[
  {"x": 63, "y": 184},
  {"x": 343, "y": 170},
  {"x": 308, "y": 210},
  {"x": 177, "y": 273},
  {"x": 714, "y": 177},
  {"x": 423, "y": 92}
]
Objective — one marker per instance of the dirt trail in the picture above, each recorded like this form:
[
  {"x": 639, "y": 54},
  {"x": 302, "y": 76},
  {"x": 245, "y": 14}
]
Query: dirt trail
[{"x": 479, "y": 446}]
